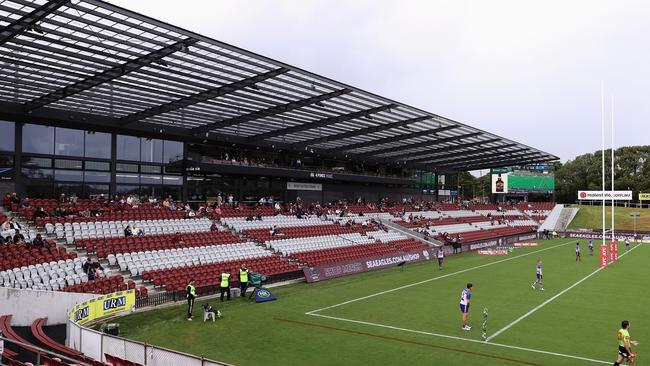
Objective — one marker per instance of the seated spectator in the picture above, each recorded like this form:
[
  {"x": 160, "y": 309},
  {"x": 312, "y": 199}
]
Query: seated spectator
[
  {"x": 40, "y": 213},
  {"x": 97, "y": 267},
  {"x": 128, "y": 231},
  {"x": 19, "y": 239},
  {"x": 86, "y": 265},
  {"x": 92, "y": 275},
  {"x": 15, "y": 199},
  {"x": 258, "y": 217},
  {"x": 249, "y": 218},
  {"x": 39, "y": 242},
  {"x": 137, "y": 231},
  {"x": 6, "y": 225}
]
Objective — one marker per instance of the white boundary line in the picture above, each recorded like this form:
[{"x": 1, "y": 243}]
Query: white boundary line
[
  {"x": 464, "y": 339},
  {"x": 313, "y": 312},
  {"x": 549, "y": 300}
]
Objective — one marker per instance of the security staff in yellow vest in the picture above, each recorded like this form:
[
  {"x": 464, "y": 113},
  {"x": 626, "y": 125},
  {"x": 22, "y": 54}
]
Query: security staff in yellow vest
[
  {"x": 224, "y": 284},
  {"x": 190, "y": 293},
  {"x": 243, "y": 279}
]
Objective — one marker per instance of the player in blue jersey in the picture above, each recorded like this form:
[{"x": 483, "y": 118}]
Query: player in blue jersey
[
  {"x": 465, "y": 298},
  {"x": 538, "y": 272}
]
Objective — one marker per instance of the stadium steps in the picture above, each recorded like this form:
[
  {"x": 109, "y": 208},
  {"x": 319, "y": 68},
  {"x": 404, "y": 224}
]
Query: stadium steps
[
  {"x": 410, "y": 233},
  {"x": 567, "y": 215},
  {"x": 552, "y": 219}
]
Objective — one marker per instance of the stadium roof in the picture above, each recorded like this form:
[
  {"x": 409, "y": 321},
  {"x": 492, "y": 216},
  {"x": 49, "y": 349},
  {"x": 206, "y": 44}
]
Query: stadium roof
[{"x": 91, "y": 61}]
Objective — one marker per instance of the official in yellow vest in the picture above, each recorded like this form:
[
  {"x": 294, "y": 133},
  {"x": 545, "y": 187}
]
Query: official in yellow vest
[
  {"x": 243, "y": 279},
  {"x": 190, "y": 293},
  {"x": 224, "y": 284}
]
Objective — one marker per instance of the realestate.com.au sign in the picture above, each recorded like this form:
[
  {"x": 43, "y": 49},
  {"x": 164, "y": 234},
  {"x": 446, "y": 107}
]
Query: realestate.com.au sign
[
  {"x": 325, "y": 272},
  {"x": 608, "y": 195}
]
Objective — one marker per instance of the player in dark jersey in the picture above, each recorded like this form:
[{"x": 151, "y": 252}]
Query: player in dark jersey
[{"x": 591, "y": 247}]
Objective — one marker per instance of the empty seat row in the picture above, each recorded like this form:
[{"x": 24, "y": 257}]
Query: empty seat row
[
  {"x": 239, "y": 224},
  {"x": 295, "y": 245},
  {"x": 139, "y": 263},
  {"x": 176, "y": 279},
  {"x": 104, "y": 247}
]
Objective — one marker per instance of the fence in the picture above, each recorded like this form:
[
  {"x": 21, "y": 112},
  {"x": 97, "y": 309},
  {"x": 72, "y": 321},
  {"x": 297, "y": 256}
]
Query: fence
[
  {"x": 608, "y": 203},
  {"x": 165, "y": 297},
  {"x": 96, "y": 345}
]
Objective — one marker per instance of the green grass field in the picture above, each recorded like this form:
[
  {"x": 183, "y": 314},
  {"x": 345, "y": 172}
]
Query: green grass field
[
  {"x": 411, "y": 317},
  {"x": 590, "y": 217}
]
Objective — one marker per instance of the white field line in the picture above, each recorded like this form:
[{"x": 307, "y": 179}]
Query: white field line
[
  {"x": 464, "y": 339},
  {"x": 535, "y": 309},
  {"x": 434, "y": 278}
]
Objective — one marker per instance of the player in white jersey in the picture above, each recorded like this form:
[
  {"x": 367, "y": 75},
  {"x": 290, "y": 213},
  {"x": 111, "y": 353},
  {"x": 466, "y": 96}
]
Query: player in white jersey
[
  {"x": 441, "y": 257},
  {"x": 591, "y": 247},
  {"x": 465, "y": 298},
  {"x": 538, "y": 272},
  {"x": 578, "y": 259},
  {"x": 627, "y": 243}
]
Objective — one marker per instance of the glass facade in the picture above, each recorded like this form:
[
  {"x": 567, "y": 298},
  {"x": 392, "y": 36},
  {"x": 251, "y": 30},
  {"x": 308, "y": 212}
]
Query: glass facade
[
  {"x": 38, "y": 139},
  {"x": 151, "y": 150},
  {"x": 98, "y": 145},
  {"x": 68, "y": 142},
  {"x": 128, "y": 148},
  {"x": 63, "y": 160},
  {"x": 173, "y": 151},
  {"x": 7, "y": 136}
]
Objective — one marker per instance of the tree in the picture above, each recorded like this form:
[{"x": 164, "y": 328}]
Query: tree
[{"x": 631, "y": 171}]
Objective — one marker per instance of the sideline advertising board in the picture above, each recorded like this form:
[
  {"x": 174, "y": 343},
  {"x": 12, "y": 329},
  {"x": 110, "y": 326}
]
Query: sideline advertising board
[
  {"x": 598, "y": 195},
  {"x": 103, "y": 306},
  {"x": 328, "y": 271},
  {"x": 644, "y": 196}
]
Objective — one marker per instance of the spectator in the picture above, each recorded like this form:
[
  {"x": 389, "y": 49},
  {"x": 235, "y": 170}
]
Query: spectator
[
  {"x": 19, "y": 239},
  {"x": 14, "y": 198},
  {"x": 86, "y": 265},
  {"x": 39, "y": 242},
  {"x": 40, "y": 213},
  {"x": 92, "y": 275},
  {"x": 128, "y": 231},
  {"x": 97, "y": 268},
  {"x": 214, "y": 227},
  {"x": 6, "y": 226}
]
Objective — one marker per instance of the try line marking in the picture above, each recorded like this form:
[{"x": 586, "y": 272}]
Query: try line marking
[
  {"x": 535, "y": 309},
  {"x": 313, "y": 312},
  {"x": 464, "y": 339}
]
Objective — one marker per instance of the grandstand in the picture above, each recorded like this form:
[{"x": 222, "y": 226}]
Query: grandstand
[{"x": 153, "y": 155}]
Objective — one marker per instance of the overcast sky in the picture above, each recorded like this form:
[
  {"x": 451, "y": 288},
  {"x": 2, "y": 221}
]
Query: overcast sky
[{"x": 528, "y": 71}]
